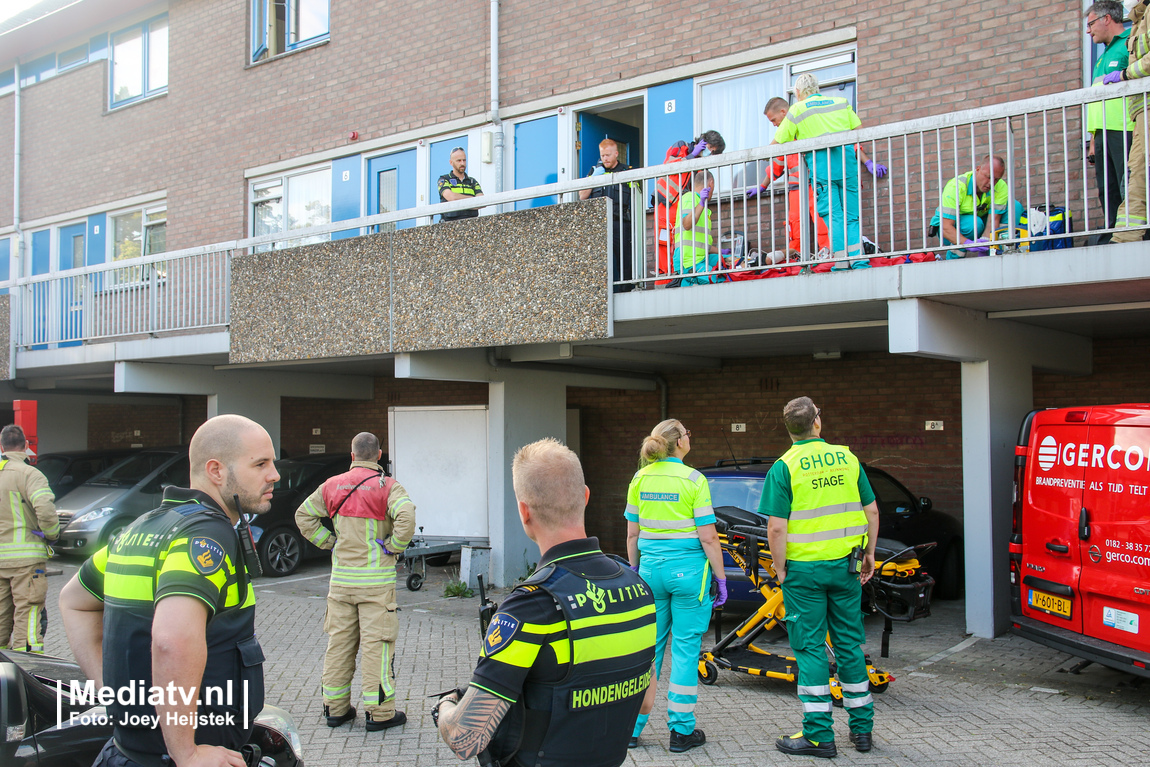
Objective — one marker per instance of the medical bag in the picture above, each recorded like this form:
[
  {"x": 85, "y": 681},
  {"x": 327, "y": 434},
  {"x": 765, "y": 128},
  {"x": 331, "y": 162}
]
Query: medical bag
[{"x": 1059, "y": 220}]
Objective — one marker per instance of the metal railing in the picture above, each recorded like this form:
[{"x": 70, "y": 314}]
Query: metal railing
[{"x": 1042, "y": 143}]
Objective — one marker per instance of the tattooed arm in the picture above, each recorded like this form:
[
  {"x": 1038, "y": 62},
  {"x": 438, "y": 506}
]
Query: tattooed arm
[{"x": 467, "y": 726}]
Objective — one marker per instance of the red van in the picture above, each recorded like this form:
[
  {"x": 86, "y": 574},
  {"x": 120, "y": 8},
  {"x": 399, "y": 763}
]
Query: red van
[{"x": 1080, "y": 548}]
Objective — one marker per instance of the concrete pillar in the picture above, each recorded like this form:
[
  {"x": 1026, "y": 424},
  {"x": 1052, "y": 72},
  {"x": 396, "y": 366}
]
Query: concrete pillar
[
  {"x": 525, "y": 404},
  {"x": 997, "y": 359},
  {"x": 254, "y": 393}
]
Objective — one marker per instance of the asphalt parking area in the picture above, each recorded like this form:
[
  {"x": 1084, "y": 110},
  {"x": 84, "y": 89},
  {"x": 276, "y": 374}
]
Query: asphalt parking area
[{"x": 956, "y": 700}]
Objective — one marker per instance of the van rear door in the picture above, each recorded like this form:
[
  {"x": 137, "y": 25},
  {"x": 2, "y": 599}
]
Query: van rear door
[
  {"x": 1051, "y": 556},
  {"x": 1115, "y": 577}
]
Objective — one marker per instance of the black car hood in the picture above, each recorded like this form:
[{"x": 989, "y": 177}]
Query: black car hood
[{"x": 45, "y": 666}]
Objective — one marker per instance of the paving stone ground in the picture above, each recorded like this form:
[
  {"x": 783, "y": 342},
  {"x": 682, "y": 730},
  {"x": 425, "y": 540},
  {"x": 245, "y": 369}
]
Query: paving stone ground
[{"x": 1001, "y": 701}]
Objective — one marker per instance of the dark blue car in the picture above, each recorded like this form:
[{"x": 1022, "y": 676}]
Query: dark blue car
[{"x": 737, "y": 486}]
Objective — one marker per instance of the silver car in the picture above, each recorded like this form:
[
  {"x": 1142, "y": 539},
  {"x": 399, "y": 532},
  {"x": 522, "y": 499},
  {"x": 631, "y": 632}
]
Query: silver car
[{"x": 96, "y": 511}]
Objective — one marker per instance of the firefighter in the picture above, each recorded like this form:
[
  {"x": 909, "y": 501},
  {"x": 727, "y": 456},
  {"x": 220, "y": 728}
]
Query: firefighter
[
  {"x": 30, "y": 522},
  {"x": 669, "y": 188},
  {"x": 823, "y": 518},
  {"x": 168, "y": 604},
  {"x": 374, "y": 520},
  {"x": 672, "y": 542},
  {"x": 567, "y": 658},
  {"x": 1133, "y": 211}
]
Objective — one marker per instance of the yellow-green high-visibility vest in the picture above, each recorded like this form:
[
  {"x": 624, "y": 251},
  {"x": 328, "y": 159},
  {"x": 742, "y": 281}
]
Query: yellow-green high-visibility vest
[
  {"x": 1114, "y": 59},
  {"x": 693, "y": 243},
  {"x": 668, "y": 497},
  {"x": 827, "y": 518}
]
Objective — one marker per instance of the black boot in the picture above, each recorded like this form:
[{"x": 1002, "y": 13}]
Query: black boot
[
  {"x": 798, "y": 745},
  {"x": 336, "y": 721},
  {"x": 861, "y": 741},
  {"x": 681, "y": 743}
]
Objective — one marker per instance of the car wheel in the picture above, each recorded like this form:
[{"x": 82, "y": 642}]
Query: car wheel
[
  {"x": 281, "y": 552},
  {"x": 951, "y": 578},
  {"x": 708, "y": 673},
  {"x": 113, "y": 531},
  {"x": 438, "y": 560},
  {"x": 414, "y": 582}
]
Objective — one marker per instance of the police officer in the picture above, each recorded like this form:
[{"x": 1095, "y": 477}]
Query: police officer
[
  {"x": 457, "y": 185},
  {"x": 822, "y": 508},
  {"x": 169, "y": 604},
  {"x": 620, "y": 196},
  {"x": 836, "y": 176},
  {"x": 24, "y": 552},
  {"x": 671, "y": 539},
  {"x": 568, "y": 656},
  {"x": 374, "y": 520}
]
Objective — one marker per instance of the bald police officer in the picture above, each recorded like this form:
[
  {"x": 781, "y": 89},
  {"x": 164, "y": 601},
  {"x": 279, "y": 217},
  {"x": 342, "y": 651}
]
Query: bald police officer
[
  {"x": 169, "y": 604},
  {"x": 567, "y": 658},
  {"x": 822, "y": 509}
]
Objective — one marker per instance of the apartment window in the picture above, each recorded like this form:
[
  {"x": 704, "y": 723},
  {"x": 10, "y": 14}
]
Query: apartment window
[
  {"x": 139, "y": 233},
  {"x": 294, "y": 201},
  {"x": 72, "y": 57},
  {"x": 279, "y": 26},
  {"x": 140, "y": 61}
]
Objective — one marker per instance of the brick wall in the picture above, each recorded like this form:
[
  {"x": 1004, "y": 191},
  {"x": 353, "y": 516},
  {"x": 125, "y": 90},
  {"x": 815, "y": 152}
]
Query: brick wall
[
  {"x": 1121, "y": 374},
  {"x": 113, "y": 426},
  {"x": 385, "y": 72},
  {"x": 340, "y": 420},
  {"x": 875, "y": 403}
]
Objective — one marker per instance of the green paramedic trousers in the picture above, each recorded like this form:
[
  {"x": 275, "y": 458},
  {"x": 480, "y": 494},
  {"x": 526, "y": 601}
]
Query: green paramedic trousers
[{"x": 822, "y": 596}]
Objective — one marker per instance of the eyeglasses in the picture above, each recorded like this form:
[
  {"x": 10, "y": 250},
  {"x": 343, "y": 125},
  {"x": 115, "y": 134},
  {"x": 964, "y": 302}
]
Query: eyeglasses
[
  {"x": 818, "y": 412},
  {"x": 1089, "y": 24},
  {"x": 686, "y": 433}
]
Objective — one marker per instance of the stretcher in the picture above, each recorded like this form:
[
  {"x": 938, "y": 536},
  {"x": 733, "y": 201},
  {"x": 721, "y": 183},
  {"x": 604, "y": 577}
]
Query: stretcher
[{"x": 899, "y": 591}]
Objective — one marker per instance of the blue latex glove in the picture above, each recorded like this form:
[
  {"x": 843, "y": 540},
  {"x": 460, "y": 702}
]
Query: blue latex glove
[
  {"x": 700, "y": 147},
  {"x": 722, "y": 598},
  {"x": 1112, "y": 77},
  {"x": 704, "y": 195},
  {"x": 877, "y": 169},
  {"x": 754, "y": 192},
  {"x": 386, "y": 550},
  {"x": 976, "y": 246},
  {"x": 598, "y": 170},
  {"x": 635, "y": 568},
  {"x": 38, "y": 534}
]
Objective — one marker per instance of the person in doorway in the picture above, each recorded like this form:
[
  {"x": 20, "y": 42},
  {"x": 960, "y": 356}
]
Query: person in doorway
[
  {"x": 457, "y": 185},
  {"x": 1110, "y": 128},
  {"x": 823, "y": 517},
  {"x": 374, "y": 520},
  {"x": 620, "y": 196},
  {"x": 169, "y": 604},
  {"x": 1132, "y": 212},
  {"x": 669, "y": 188},
  {"x": 671, "y": 540},
  {"x": 834, "y": 170},
  {"x": 24, "y": 535},
  {"x": 581, "y": 625},
  {"x": 968, "y": 204}
]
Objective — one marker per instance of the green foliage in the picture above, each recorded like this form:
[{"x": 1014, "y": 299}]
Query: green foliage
[{"x": 457, "y": 588}]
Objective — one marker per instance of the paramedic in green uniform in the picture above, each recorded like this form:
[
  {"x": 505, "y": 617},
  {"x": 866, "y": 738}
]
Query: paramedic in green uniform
[
  {"x": 1110, "y": 127},
  {"x": 671, "y": 538},
  {"x": 821, "y": 506}
]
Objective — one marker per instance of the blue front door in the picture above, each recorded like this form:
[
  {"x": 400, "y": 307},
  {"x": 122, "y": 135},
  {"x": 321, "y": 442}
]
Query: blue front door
[
  {"x": 391, "y": 186},
  {"x": 71, "y": 253},
  {"x": 536, "y": 158}
]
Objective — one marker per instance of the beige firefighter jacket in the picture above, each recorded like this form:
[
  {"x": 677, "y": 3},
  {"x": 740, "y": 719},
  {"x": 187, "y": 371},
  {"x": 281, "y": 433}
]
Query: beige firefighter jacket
[
  {"x": 359, "y": 564},
  {"x": 26, "y": 507}
]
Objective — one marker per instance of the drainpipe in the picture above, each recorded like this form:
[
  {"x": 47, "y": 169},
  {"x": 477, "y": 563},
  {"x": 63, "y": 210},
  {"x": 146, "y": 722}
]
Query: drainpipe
[
  {"x": 661, "y": 382},
  {"x": 15, "y": 265},
  {"x": 497, "y": 137}
]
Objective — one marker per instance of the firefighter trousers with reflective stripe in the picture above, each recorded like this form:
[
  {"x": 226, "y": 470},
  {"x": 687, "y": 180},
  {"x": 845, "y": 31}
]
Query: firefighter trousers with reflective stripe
[
  {"x": 367, "y": 623},
  {"x": 677, "y": 585},
  {"x": 1132, "y": 211},
  {"x": 23, "y": 615},
  {"x": 821, "y": 597}
]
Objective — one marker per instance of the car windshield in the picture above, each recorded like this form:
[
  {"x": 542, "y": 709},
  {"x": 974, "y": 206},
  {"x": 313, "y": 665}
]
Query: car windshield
[
  {"x": 131, "y": 470},
  {"x": 740, "y": 492},
  {"x": 295, "y": 474},
  {"x": 52, "y": 467}
]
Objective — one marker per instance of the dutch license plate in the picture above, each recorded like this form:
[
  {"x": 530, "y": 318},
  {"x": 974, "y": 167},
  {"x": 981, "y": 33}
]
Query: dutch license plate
[{"x": 1048, "y": 603}]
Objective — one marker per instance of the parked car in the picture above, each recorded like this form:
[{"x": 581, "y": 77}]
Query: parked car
[
  {"x": 1080, "y": 545},
  {"x": 96, "y": 511},
  {"x": 278, "y": 540},
  {"x": 737, "y": 486},
  {"x": 42, "y": 731},
  {"x": 67, "y": 471}
]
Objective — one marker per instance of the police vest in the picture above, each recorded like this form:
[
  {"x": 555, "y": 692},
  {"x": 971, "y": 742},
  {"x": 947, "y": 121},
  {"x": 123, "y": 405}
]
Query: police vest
[
  {"x": 586, "y": 719},
  {"x": 234, "y": 660},
  {"x": 827, "y": 518}
]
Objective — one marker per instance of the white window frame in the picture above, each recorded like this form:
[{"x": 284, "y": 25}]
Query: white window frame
[
  {"x": 281, "y": 179},
  {"x": 259, "y": 44},
  {"x": 147, "y": 92}
]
